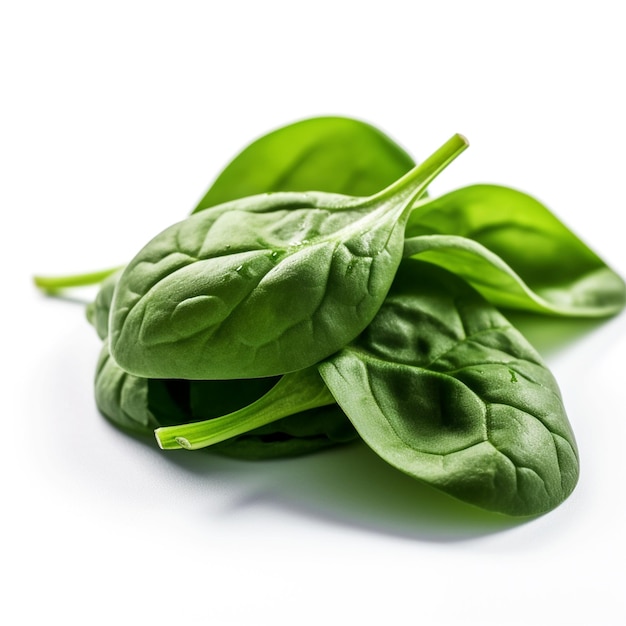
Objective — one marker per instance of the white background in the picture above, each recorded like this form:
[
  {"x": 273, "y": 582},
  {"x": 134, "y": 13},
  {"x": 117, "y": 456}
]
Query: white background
[{"x": 114, "y": 119}]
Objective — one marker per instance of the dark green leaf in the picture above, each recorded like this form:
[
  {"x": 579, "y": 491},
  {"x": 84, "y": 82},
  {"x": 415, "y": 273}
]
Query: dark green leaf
[
  {"x": 98, "y": 311},
  {"x": 265, "y": 285},
  {"x": 441, "y": 386},
  {"x": 122, "y": 397}
]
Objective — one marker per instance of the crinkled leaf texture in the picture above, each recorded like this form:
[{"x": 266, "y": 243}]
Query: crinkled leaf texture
[
  {"x": 99, "y": 310},
  {"x": 450, "y": 393},
  {"x": 272, "y": 285},
  {"x": 513, "y": 250},
  {"x": 143, "y": 405},
  {"x": 122, "y": 397},
  {"x": 265, "y": 285}
]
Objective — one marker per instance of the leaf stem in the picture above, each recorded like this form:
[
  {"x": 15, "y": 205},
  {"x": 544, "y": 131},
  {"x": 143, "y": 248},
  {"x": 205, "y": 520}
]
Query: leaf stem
[
  {"x": 293, "y": 393},
  {"x": 414, "y": 183},
  {"x": 53, "y": 284}
]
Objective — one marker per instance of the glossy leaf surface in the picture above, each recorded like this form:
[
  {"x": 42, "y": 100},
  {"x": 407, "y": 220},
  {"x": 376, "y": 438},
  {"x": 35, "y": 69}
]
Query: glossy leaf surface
[
  {"x": 450, "y": 393},
  {"x": 516, "y": 252},
  {"x": 331, "y": 154}
]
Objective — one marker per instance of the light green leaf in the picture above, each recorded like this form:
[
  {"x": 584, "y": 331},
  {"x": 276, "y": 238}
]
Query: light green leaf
[
  {"x": 331, "y": 154},
  {"x": 514, "y": 251}
]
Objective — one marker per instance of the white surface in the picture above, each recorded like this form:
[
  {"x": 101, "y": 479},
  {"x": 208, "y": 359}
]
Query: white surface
[{"x": 114, "y": 119}]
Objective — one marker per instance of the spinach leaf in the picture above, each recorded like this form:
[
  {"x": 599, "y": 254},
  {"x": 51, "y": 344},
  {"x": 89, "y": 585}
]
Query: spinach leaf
[
  {"x": 217, "y": 327},
  {"x": 327, "y": 154},
  {"x": 142, "y": 405},
  {"x": 214, "y": 296},
  {"x": 442, "y": 387},
  {"x": 122, "y": 397},
  {"x": 98, "y": 311},
  {"x": 331, "y": 154},
  {"x": 514, "y": 251}
]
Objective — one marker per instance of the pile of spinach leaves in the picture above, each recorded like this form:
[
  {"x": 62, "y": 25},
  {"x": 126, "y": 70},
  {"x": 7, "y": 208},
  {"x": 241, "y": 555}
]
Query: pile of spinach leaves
[{"x": 317, "y": 295}]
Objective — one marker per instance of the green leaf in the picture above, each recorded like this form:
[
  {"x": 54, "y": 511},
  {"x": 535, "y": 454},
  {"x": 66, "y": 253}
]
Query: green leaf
[
  {"x": 331, "y": 154},
  {"x": 98, "y": 310},
  {"x": 215, "y": 295},
  {"x": 514, "y": 251},
  {"x": 122, "y": 397},
  {"x": 326, "y": 154},
  {"x": 442, "y": 387}
]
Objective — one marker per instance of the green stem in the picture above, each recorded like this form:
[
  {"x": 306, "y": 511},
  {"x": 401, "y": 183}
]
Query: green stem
[
  {"x": 414, "y": 183},
  {"x": 52, "y": 284},
  {"x": 293, "y": 393}
]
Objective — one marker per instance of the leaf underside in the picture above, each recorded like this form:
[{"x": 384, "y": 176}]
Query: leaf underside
[{"x": 513, "y": 250}]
